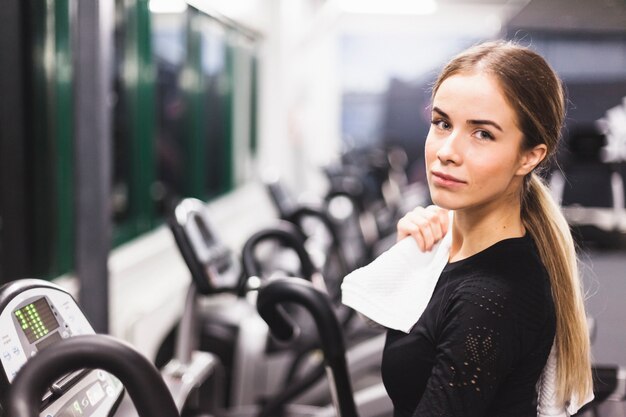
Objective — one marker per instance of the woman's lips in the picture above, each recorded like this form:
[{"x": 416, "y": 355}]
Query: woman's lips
[{"x": 441, "y": 179}]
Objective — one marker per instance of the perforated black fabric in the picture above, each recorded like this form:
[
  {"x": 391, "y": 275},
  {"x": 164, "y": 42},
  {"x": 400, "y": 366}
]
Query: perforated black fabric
[{"x": 480, "y": 346}]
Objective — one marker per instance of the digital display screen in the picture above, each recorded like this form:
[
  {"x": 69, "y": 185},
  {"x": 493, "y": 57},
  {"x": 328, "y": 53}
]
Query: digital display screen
[
  {"x": 36, "y": 320},
  {"x": 84, "y": 403}
]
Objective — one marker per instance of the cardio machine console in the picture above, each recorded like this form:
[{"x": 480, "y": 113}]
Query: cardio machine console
[
  {"x": 34, "y": 315},
  {"x": 212, "y": 264}
]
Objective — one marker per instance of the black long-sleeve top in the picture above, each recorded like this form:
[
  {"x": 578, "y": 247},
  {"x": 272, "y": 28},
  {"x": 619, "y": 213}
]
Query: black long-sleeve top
[{"x": 481, "y": 344}]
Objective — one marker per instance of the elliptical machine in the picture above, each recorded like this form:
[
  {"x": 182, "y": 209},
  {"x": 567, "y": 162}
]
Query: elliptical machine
[
  {"x": 221, "y": 301},
  {"x": 37, "y": 316}
]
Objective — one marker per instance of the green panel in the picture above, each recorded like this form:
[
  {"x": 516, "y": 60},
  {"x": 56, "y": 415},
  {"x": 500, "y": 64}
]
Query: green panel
[
  {"x": 39, "y": 146},
  {"x": 64, "y": 142},
  {"x": 40, "y": 141},
  {"x": 145, "y": 168},
  {"x": 49, "y": 139},
  {"x": 229, "y": 169}
]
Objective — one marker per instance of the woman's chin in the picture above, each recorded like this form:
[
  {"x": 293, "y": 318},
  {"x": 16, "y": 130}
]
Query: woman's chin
[{"x": 447, "y": 203}]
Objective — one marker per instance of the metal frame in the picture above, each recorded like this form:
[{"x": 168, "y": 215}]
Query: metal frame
[{"x": 92, "y": 145}]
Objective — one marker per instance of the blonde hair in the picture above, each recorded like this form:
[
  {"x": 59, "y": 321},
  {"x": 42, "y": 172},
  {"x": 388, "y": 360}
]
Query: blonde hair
[{"x": 535, "y": 92}]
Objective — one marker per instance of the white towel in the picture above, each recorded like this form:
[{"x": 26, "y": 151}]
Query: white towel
[{"x": 405, "y": 277}]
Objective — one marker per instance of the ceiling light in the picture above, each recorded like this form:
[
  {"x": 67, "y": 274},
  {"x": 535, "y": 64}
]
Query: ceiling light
[
  {"x": 167, "y": 6},
  {"x": 389, "y": 7}
]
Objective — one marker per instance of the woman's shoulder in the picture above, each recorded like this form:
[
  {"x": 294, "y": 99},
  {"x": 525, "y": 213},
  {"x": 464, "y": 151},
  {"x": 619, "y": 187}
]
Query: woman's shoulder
[
  {"x": 509, "y": 263},
  {"x": 506, "y": 280}
]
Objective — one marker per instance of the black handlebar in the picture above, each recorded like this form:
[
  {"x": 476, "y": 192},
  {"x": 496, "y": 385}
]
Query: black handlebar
[
  {"x": 302, "y": 212},
  {"x": 142, "y": 380},
  {"x": 352, "y": 193},
  {"x": 301, "y": 292},
  {"x": 288, "y": 235},
  {"x": 195, "y": 267}
]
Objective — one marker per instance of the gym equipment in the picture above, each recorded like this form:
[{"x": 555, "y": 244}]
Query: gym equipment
[
  {"x": 51, "y": 310},
  {"x": 323, "y": 241},
  {"x": 215, "y": 312},
  {"x": 37, "y": 315},
  {"x": 287, "y": 236},
  {"x": 365, "y": 343},
  {"x": 333, "y": 236},
  {"x": 221, "y": 303},
  {"x": 110, "y": 356},
  {"x": 212, "y": 265},
  {"x": 328, "y": 327},
  {"x": 590, "y": 190},
  {"x": 372, "y": 401}
]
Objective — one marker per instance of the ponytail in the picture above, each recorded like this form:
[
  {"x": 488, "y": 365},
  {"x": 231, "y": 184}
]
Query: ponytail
[{"x": 549, "y": 229}]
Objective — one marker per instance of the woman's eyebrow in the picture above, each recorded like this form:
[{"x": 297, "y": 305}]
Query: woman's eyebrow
[
  {"x": 441, "y": 112},
  {"x": 484, "y": 122},
  {"x": 470, "y": 122}
]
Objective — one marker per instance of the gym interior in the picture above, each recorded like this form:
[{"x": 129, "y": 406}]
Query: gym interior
[{"x": 180, "y": 180}]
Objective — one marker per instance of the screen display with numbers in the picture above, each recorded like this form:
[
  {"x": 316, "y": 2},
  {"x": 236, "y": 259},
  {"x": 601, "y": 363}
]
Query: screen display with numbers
[{"x": 36, "y": 319}]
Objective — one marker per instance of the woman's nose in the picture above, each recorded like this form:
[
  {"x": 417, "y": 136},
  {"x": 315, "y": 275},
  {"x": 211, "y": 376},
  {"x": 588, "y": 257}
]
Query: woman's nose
[{"x": 449, "y": 151}]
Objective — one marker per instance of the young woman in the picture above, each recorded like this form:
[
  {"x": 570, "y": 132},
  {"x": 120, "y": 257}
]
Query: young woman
[{"x": 511, "y": 288}]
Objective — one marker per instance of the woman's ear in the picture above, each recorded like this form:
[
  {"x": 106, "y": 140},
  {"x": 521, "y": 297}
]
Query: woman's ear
[{"x": 531, "y": 158}]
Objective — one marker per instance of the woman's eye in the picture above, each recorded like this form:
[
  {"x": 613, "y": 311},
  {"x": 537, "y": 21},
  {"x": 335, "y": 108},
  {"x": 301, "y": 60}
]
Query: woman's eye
[
  {"x": 483, "y": 134},
  {"x": 441, "y": 124}
]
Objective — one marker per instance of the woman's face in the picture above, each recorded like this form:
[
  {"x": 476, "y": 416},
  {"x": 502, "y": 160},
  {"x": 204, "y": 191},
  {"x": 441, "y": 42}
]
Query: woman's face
[{"x": 473, "y": 156}]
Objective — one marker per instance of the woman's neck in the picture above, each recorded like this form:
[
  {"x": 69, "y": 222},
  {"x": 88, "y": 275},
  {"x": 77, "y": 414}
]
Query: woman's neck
[{"x": 475, "y": 229}]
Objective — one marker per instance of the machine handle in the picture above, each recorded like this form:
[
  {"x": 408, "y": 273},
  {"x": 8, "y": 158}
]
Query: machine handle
[
  {"x": 288, "y": 235},
  {"x": 195, "y": 266},
  {"x": 142, "y": 380},
  {"x": 301, "y": 212},
  {"x": 309, "y": 211},
  {"x": 301, "y": 292}
]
